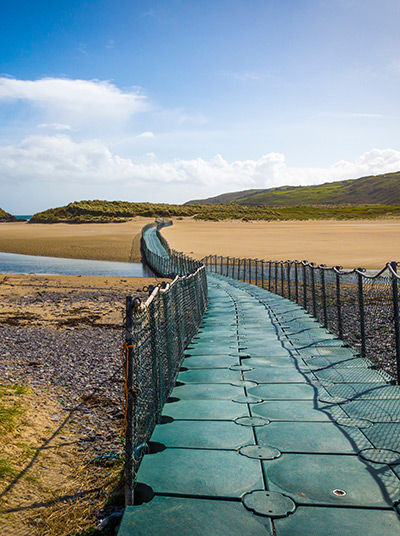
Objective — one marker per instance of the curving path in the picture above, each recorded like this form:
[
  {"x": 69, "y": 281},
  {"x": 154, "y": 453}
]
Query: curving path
[{"x": 274, "y": 428}]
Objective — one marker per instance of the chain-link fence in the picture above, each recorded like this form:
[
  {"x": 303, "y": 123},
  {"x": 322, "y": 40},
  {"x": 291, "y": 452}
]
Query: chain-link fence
[
  {"x": 360, "y": 308},
  {"x": 157, "y": 332}
]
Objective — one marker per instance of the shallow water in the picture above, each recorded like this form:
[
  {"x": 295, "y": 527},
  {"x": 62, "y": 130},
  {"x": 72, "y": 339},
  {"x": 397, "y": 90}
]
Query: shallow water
[{"x": 14, "y": 263}]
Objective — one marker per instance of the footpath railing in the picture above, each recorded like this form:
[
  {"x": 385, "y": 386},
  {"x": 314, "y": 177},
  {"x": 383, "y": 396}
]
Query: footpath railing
[
  {"x": 157, "y": 332},
  {"x": 360, "y": 308}
]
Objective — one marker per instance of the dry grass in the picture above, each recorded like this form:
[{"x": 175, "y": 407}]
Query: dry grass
[{"x": 46, "y": 489}]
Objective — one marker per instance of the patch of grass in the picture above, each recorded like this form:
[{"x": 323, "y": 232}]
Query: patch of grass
[
  {"x": 118, "y": 211},
  {"x": 6, "y": 469},
  {"x": 11, "y": 410}
]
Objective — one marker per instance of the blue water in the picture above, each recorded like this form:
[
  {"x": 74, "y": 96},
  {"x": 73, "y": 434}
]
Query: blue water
[
  {"x": 23, "y": 217},
  {"x": 13, "y": 263}
]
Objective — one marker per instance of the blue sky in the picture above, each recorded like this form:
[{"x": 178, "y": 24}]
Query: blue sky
[{"x": 170, "y": 100}]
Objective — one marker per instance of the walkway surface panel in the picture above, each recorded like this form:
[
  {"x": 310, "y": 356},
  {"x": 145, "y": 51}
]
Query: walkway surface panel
[{"x": 262, "y": 373}]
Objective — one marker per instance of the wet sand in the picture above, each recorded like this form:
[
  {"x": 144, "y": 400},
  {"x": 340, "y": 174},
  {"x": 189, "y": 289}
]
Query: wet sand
[
  {"x": 109, "y": 241},
  {"x": 368, "y": 244}
]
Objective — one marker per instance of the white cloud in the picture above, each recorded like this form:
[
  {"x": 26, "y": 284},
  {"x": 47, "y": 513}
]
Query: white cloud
[
  {"x": 351, "y": 115},
  {"x": 146, "y": 134},
  {"x": 78, "y": 100},
  {"x": 243, "y": 76},
  {"x": 62, "y": 161},
  {"x": 55, "y": 126}
]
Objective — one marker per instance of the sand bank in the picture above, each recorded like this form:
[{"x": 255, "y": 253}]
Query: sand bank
[
  {"x": 347, "y": 243},
  {"x": 110, "y": 241}
]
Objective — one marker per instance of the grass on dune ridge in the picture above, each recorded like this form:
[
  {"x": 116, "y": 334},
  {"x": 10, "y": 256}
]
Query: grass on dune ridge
[{"x": 100, "y": 211}]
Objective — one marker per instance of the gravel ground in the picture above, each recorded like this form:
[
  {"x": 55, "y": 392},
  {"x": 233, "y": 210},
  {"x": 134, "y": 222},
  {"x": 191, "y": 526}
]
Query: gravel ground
[{"x": 84, "y": 363}]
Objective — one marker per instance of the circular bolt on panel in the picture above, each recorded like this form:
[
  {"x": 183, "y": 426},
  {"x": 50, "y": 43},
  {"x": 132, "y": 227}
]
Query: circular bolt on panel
[
  {"x": 243, "y": 399},
  {"x": 380, "y": 455},
  {"x": 356, "y": 423},
  {"x": 260, "y": 452},
  {"x": 339, "y": 492},
  {"x": 251, "y": 421},
  {"x": 269, "y": 503},
  {"x": 241, "y": 368},
  {"x": 244, "y": 383}
]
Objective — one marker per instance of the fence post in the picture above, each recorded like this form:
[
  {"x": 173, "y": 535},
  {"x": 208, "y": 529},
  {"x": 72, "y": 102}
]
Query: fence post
[
  {"x": 233, "y": 267},
  {"x": 269, "y": 274},
  {"x": 238, "y": 269},
  {"x": 313, "y": 290},
  {"x": 130, "y": 402},
  {"x": 288, "y": 279},
  {"x": 322, "y": 271},
  {"x": 361, "y": 311},
  {"x": 296, "y": 282},
  {"x": 276, "y": 277},
  {"x": 396, "y": 317},
  {"x": 339, "y": 305},
  {"x": 262, "y": 274},
  {"x": 304, "y": 286},
  {"x": 256, "y": 280},
  {"x": 249, "y": 281}
]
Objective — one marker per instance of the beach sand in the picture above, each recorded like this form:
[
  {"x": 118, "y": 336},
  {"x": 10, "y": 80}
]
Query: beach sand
[
  {"x": 368, "y": 244},
  {"x": 110, "y": 241}
]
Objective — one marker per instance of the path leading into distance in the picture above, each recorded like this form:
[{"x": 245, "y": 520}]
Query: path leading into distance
[{"x": 274, "y": 428}]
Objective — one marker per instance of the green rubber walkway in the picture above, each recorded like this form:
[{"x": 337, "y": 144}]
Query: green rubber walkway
[{"x": 275, "y": 427}]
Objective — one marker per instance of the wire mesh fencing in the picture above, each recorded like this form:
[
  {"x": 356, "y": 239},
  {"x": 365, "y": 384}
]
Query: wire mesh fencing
[
  {"x": 360, "y": 308},
  {"x": 157, "y": 332}
]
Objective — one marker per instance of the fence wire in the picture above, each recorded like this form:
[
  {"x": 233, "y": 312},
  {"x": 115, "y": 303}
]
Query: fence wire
[
  {"x": 360, "y": 308},
  {"x": 157, "y": 332}
]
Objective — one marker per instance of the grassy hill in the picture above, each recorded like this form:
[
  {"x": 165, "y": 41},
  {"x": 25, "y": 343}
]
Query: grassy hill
[
  {"x": 118, "y": 211},
  {"x": 5, "y": 216},
  {"x": 372, "y": 190}
]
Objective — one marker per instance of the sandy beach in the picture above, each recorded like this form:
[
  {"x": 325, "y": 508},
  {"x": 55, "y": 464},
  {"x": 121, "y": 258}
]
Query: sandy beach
[
  {"x": 110, "y": 241},
  {"x": 368, "y": 244}
]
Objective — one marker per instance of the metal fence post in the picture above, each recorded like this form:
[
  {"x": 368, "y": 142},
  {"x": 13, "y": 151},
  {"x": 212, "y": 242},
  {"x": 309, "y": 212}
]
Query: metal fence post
[
  {"x": 313, "y": 290},
  {"x": 262, "y": 274},
  {"x": 361, "y": 311},
  {"x": 304, "y": 286},
  {"x": 322, "y": 272},
  {"x": 130, "y": 402},
  {"x": 339, "y": 305},
  {"x": 269, "y": 274},
  {"x": 396, "y": 317}
]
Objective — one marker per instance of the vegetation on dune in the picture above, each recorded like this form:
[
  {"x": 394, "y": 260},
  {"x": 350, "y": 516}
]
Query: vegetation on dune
[
  {"x": 380, "y": 189},
  {"x": 118, "y": 211},
  {"x": 5, "y": 216}
]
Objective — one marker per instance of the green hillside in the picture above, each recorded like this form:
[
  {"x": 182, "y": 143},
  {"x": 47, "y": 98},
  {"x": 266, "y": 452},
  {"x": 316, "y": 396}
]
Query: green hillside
[
  {"x": 372, "y": 190},
  {"x": 5, "y": 216},
  {"x": 119, "y": 211}
]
